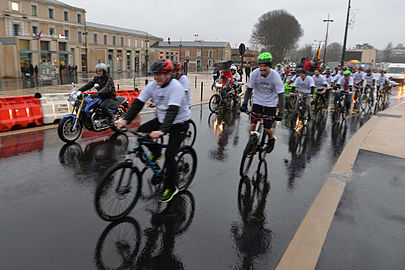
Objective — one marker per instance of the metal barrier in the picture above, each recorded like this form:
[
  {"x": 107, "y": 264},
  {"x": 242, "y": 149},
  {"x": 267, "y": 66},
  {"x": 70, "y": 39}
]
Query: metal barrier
[{"x": 54, "y": 107}]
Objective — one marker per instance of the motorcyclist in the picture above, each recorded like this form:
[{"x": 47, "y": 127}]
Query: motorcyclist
[{"x": 104, "y": 85}]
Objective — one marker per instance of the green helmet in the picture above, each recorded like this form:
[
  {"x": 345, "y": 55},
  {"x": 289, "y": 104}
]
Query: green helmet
[
  {"x": 265, "y": 58},
  {"x": 347, "y": 72},
  {"x": 327, "y": 68},
  {"x": 279, "y": 65}
]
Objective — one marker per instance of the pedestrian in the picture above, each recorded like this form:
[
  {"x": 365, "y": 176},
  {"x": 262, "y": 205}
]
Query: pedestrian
[
  {"x": 240, "y": 71},
  {"x": 247, "y": 71},
  {"x": 75, "y": 68},
  {"x": 31, "y": 69},
  {"x": 36, "y": 71},
  {"x": 215, "y": 76},
  {"x": 301, "y": 63}
]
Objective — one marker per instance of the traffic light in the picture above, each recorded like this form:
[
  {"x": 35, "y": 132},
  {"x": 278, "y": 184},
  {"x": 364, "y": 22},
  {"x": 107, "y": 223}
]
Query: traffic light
[{"x": 162, "y": 55}]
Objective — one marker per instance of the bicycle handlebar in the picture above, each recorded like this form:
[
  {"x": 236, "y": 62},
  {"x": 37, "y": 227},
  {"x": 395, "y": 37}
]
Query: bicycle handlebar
[{"x": 261, "y": 116}]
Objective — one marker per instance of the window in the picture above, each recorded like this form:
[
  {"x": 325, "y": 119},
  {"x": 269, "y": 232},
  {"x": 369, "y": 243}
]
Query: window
[
  {"x": 129, "y": 42},
  {"x": 210, "y": 54},
  {"x": 79, "y": 37},
  {"x": 79, "y": 18},
  {"x": 15, "y": 6},
  {"x": 16, "y": 29},
  {"x": 50, "y": 13},
  {"x": 198, "y": 53},
  {"x": 34, "y": 30},
  {"x": 105, "y": 39},
  {"x": 142, "y": 43},
  {"x": 51, "y": 31},
  {"x": 34, "y": 11},
  {"x": 66, "y": 15},
  {"x": 122, "y": 42},
  {"x": 136, "y": 43},
  {"x": 188, "y": 53},
  {"x": 95, "y": 38},
  {"x": 67, "y": 34},
  {"x": 113, "y": 40}
]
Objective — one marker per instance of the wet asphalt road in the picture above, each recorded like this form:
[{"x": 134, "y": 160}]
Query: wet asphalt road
[{"x": 222, "y": 222}]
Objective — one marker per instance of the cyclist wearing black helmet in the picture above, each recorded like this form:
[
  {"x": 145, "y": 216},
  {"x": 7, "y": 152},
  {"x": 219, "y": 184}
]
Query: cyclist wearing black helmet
[
  {"x": 173, "y": 115},
  {"x": 268, "y": 90}
]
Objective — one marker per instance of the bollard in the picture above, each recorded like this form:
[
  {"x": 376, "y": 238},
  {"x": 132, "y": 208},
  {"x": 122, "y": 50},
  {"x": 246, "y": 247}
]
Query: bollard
[
  {"x": 202, "y": 90},
  {"x": 146, "y": 82},
  {"x": 195, "y": 82},
  {"x": 118, "y": 86}
]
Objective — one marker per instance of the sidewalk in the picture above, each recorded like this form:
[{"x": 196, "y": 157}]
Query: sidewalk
[{"x": 380, "y": 141}]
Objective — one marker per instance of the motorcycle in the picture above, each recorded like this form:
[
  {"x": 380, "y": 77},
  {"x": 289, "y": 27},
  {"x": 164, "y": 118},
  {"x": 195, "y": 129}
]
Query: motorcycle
[{"x": 87, "y": 112}]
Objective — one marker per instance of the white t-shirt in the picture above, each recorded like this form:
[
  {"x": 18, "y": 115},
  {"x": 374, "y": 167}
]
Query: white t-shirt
[
  {"x": 358, "y": 77},
  {"x": 172, "y": 94},
  {"x": 337, "y": 77},
  {"x": 329, "y": 81},
  {"x": 319, "y": 81},
  {"x": 266, "y": 89},
  {"x": 341, "y": 82},
  {"x": 236, "y": 76},
  {"x": 186, "y": 85},
  {"x": 369, "y": 79},
  {"x": 381, "y": 80},
  {"x": 305, "y": 85},
  {"x": 280, "y": 71}
]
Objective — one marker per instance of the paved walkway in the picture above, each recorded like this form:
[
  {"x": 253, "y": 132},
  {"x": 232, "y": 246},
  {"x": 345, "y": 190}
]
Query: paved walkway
[{"x": 383, "y": 134}]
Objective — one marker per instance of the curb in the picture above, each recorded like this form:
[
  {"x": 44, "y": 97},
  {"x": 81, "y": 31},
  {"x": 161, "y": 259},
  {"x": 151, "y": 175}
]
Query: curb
[{"x": 306, "y": 245}]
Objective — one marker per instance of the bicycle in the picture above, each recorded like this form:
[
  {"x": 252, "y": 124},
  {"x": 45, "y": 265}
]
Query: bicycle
[
  {"x": 124, "y": 179},
  {"x": 366, "y": 99},
  {"x": 340, "y": 108},
  {"x": 300, "y": 116},
  {"x": 217, "y": 100},
  {"x": 382, "y": 98},
  {"x": 255, "y": 143}
]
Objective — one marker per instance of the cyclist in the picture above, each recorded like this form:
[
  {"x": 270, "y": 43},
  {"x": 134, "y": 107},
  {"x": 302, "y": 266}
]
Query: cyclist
[
  {"x": 226, "y": 77},
  {"x": 369, "y": 77},
  {"x": 358, "y": 78},
  {"x": 345, "y": 84},
  {"x": 306, "y": 85},
  {"x": 173, "y": 115},
  {"x": 178, "y": 75},
  {"x": 382, "y": 80},
  {"x": 280, "y": 71},
  {"x": 105, "y": 90},
  {"x": 326, "y": 69},
  {"x": 320, "y": 84},
  {"x": 235, "y": 75},
  {"x": 268, "y": 89}
]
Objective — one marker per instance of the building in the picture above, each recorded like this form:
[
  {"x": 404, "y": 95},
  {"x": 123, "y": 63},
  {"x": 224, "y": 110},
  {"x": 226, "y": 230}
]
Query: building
[
  {"x": 365, "y": 56},
  {"x": 250, "y": 56},
  {"x": 200, "y": 55},
  {"x": 53, "y": 35}
]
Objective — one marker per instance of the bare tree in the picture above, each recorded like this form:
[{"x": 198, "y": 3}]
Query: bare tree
[
  {"x": 334, "y": 52},
  {"x": 277, "y": 31},
  {"x": 305, "y": 51},
  {"x": 386, "y": 55}
]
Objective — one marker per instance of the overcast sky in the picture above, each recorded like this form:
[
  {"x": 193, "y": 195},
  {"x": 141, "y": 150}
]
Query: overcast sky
[{"x": 375, "y": 22}]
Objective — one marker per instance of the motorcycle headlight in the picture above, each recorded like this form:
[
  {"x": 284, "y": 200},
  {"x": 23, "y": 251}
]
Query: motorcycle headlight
[{"x": 73, "y": 102}]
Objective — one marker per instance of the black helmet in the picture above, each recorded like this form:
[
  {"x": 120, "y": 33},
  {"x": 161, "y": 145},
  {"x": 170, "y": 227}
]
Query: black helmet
[
  {"x": 303, "y": 71},
  {"x": 161, "y": 66},
  {"x": 176, "y": 65}
]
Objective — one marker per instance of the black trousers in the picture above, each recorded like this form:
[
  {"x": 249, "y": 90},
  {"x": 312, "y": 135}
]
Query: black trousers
[
  {"x": 176, "y": 136},
  {"x": 105, "y": 105}
]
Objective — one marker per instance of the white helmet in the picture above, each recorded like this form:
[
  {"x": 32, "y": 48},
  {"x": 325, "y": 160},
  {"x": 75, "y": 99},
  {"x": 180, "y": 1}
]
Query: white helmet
[
  {"x": 233, "y": 67},
  {"x": 101, "y": 66}
]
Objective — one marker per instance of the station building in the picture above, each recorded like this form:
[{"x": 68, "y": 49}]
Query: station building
[{"x": 53, "y": 36}]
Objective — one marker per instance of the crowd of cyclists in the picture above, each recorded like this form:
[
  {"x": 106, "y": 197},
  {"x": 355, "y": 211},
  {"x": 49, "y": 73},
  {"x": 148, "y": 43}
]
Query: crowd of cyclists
[{"x": 266, "y": 91}]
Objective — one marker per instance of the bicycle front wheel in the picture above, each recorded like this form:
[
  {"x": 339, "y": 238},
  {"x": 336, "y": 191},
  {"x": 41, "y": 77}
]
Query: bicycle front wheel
[
  {"x": 214, "y": 103},
  {"x": 186, "y": 159},
  {"x": 248, "y": 155},
  {"x": 118, "y": 192},
  {"x": 191, "y": 134}
]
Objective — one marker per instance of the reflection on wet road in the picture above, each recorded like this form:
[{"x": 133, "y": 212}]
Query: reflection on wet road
[{"x": 222, "y": 222}]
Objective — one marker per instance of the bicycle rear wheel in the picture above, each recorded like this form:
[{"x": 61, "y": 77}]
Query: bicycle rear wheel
[
  {"x": 186, "y": 159},
  {"x": 118, "y": 192},
  {"x": 191, "y": 134},
  {"x": 248, "y": 155}
]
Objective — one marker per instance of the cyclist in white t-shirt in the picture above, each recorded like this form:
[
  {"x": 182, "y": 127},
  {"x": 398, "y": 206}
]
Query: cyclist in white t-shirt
[
  {"x": 173, "y": 116},
  {"x": 369, "y": 78},
  {"x": 268, "y": 89},
  {"x": 320, "y": 84},
  {"x": 305, "y": 84},
  {"x": 178, "y": 75}
]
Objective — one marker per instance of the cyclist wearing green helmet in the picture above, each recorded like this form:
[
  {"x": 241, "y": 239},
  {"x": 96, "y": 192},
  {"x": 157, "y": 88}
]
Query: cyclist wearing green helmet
[
  {"x": 345, "y": 84},
  {"x": 280, "y": 71},
  {"x": 268, "y": 90}
]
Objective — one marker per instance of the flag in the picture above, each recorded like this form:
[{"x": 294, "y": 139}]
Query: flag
[{"x": 38, "y": 36}]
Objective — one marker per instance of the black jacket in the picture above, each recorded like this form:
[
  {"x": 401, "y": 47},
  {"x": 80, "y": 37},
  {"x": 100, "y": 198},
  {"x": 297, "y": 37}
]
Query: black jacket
[{"x": 106, "y": 88}]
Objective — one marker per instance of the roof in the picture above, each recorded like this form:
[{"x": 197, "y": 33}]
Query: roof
[
  {"x": 119, "y": 29},
  {"x": 198, "y": 44},
  {"x": 56, "y": 2}
]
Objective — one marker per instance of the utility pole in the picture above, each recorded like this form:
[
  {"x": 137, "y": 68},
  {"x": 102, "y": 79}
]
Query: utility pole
[
  {"x": 326, "y": 39},
  {"x": 345, "y": 38},
  {"x": 147, "y": 53}
]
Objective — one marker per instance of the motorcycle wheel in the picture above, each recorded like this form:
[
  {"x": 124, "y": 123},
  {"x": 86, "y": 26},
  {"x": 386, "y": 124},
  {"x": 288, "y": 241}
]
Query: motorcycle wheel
[
  {"x": 119, "y": 115},
  {"x": 65, "y": 130}
]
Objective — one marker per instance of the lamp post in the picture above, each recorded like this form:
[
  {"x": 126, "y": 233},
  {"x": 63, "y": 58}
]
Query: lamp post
[
  {"x": 326, "y": 38},
  {"x": 85, "y": 46},
  {"x": 345, "y": 38},
  {"x": 146, "y": 54}
]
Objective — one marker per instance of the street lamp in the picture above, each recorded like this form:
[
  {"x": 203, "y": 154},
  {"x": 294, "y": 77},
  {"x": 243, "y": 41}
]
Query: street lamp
[
  {"x": 85, "y": 46},
  {"x": 326, "y": 38},
  {"x": 147, "y": 54}
]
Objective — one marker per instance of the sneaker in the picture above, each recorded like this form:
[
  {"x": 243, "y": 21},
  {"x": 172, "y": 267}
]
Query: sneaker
[
  {"x": 270, "y": 145},
  {"x": 168, "y": 194},
  {"x": 243, "y": 107}
]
